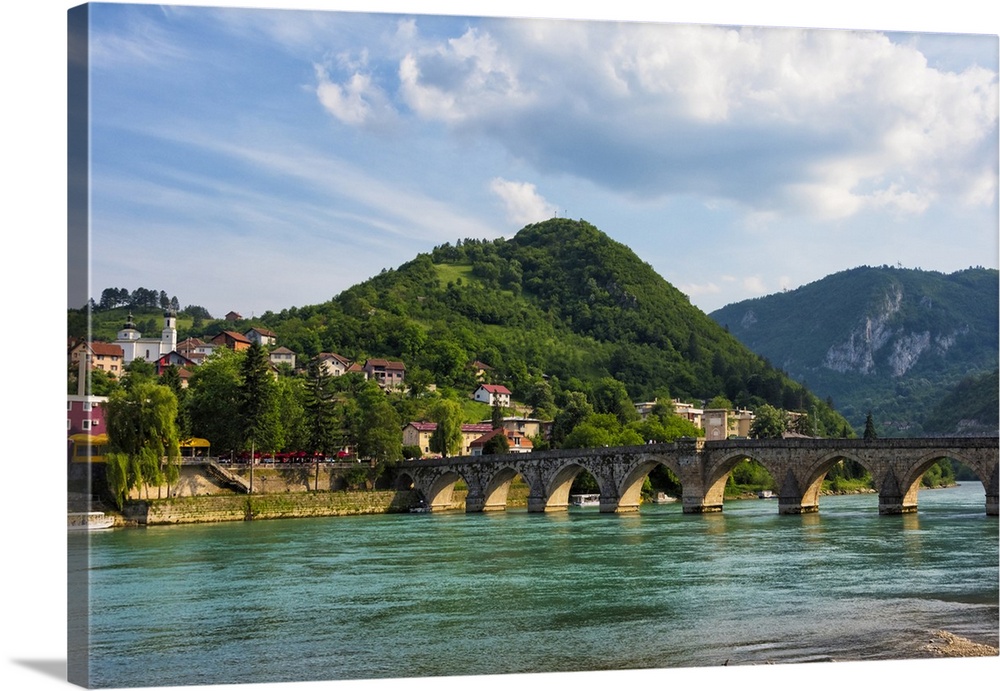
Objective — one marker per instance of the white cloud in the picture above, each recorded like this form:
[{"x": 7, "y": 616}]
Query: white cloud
[
  {"x": 783, "y": 121},
  {"x": 460, "y": 79},
  {"x": 754, "y": 285},
  {"x": 522, "y": 203},
  {"x": 694, "y": 290}
]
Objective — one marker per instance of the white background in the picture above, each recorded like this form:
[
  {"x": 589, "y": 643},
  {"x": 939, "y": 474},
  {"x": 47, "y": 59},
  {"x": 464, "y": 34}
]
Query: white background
[{"x": 32, "y": 332}]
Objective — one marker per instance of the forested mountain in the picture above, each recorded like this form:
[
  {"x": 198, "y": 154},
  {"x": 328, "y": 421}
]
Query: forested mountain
[
  {"x": 887, "y": 340},
  {"x": 968, "y": 409}
]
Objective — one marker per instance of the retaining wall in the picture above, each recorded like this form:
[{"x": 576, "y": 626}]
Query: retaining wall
[{"x": 212, "y": 509}]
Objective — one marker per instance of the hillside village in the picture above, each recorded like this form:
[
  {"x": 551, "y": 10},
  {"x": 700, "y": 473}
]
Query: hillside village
[{"x": 86, "y": 423}]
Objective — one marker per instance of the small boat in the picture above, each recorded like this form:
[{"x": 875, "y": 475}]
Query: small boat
[
  {"x": 585, "y": 499},
  {"x": 90, "y": 520},
  {"x": 766, "y": 494}
]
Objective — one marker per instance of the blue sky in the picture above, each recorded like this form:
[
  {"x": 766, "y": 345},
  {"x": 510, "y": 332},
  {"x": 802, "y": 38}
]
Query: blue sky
[{"x": 253, "y": 160}]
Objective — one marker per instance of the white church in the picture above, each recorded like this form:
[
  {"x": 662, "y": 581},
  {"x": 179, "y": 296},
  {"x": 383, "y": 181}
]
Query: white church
[{"x": 149, "y": 349}]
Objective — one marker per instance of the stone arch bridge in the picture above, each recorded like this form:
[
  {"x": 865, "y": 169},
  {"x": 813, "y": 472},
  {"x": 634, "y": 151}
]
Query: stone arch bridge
[{"x": 798, "y": 465}]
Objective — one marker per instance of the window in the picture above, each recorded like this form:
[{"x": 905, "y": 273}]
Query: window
[
  {"x": 86, "y": 405},
  {"x": 85, "y": 425}
]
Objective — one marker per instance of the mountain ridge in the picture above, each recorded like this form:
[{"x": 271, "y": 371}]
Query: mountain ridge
[{"x": 877, "y": 338}]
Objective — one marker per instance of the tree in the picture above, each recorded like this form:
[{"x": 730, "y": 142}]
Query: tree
[
  {"x": 257, "y": 399},
  {"x": 379, "y": 435},
  {"x": 212, "y": 399},
  {"x": 171, "y": 378},
  {"x": 498, "y": 443},
  {"x": 138, "y": 371},
  {"x": 496, "y": 414},
  {"x": 541, "y": 399},
  {"x": 447, "y": 438},
  {"x": 320, "y": 414},
  {"x": 611, "y": 396},
  {"x": 870, "y": 433},
  {"x": 768, "y": 422},
  {"x": 720, "y": 403},
  {"x": 574, "y": 411},
  {"x": 142, "y": 432}
]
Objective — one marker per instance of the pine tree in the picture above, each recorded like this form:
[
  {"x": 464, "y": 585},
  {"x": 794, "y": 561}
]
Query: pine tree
[
  {"x": 321, "y": 416},
  {"x": 257, "y": 401},
  {"x": 870, "y": 433}
]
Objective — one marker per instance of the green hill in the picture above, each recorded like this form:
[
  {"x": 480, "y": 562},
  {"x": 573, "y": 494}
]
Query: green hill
[
  {"x": 560, "y": 300},
  {"x": 559, "y": 306},
  {"x": 892, "y": 341}
]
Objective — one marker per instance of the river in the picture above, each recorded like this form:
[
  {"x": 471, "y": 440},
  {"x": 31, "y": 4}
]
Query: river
[{"x": 388, "y": 596}]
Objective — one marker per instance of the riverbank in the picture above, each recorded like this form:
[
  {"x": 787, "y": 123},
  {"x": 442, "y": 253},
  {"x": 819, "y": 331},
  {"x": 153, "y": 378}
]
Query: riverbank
[
  {"x": 242, "y": 507},
  {"x": 945, "y": 644}
]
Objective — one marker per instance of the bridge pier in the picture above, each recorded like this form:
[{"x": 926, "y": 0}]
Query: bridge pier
[
  {"x": 698, "y": 504},
  {"x": 541, "y": 504},
  {"x": 792, "y": 506}
]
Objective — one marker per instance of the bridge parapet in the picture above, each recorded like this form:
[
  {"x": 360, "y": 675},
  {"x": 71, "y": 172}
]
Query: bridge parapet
[{"x": 798, "y": 465}]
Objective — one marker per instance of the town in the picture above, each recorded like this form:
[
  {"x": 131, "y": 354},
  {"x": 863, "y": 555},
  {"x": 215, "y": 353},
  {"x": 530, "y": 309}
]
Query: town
[{"x": 86, "y": 424}]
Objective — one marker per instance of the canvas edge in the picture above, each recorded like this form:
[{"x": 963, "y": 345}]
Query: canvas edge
[{"x": 78, "y": 290}]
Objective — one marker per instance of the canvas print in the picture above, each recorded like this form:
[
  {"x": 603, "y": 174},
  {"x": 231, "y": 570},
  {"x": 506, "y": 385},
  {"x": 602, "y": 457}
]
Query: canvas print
[{"x": 413, "y": 346}]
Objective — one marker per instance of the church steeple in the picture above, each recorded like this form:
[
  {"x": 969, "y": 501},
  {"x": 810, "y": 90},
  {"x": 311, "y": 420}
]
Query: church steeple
[
  {"x": 168, "y": 337},
  {"x": 129, "y": 332}
]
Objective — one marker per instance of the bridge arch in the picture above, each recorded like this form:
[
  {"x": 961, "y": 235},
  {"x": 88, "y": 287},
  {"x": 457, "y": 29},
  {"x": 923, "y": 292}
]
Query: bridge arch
[
  {"x": 629, "y": 490},
  {"x": 717, "y": 475},
  {"x": 811, "y": 479},
  {"x": 555, "y": 494},
  {"x": 909, "y": 480},
  {"x": 494, "y": 495},
  {"x": 439, "y": 492}
]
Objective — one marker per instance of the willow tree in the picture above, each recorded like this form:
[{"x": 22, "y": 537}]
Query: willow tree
[
  {"x": 142, "y": 439},
  {"x": 447, "y": 438}
]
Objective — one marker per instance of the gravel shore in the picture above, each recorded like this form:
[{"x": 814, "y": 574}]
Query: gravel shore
[{"x": 944, "y": 644}]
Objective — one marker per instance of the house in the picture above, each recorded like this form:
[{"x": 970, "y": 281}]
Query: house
[
  {"x": 262, "y": 336},
  {"x": 419, "y": 434},
  {"x": 232, "y": 340},
  {"x": 134, "y": 346},
  {"x": 720, "y": 423},
  {"x": 389, "y": 374},
  {"x": 282, "y": 356},
  {"x": 516, "y": 442},
  {"x": 108, "y": 357},
  {"x": 195, "y": 349},
  {"x": 492, "y": 394},
  {"x": 233, "y": 316},
  {"x": 689, "y": 412},
  {"x": 527, "y": 427},
  {"x": 480, "y": 369},
  {"x": 334, "y": 364},
  {"x": 85, "y": 414},
  {"x": 174, "y": 359}
]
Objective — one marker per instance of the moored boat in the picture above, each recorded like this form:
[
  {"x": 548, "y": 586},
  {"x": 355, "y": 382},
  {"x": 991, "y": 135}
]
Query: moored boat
[
  {"x": 585, "y": 499},
  {"x": 90, "y": 520}
]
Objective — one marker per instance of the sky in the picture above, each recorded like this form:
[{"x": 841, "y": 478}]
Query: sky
[{"x": 254, "y": 160}]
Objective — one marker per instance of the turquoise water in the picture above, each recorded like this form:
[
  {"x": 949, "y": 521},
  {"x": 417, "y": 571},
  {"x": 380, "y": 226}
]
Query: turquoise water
[{"x": 461, "y": 594}]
